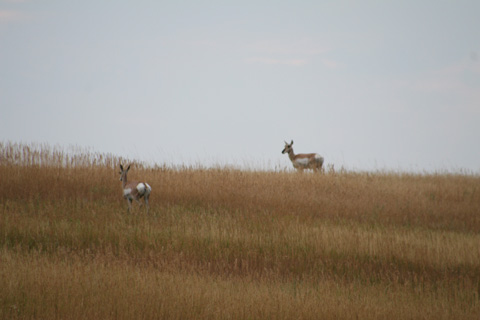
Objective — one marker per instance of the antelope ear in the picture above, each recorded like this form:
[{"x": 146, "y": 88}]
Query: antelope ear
[
  {"x": 128, "y": 167},
  {"x": 121, "y": 167},
  {"x": 291, "y": 142}
]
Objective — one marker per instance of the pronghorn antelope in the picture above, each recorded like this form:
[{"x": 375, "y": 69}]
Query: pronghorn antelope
[
  {"x": 303, "y": 161},
  {"x": 134, "y": 190}
]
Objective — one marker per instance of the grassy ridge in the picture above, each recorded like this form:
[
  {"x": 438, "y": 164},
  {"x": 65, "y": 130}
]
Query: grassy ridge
[{"x": 223, "y": 243}]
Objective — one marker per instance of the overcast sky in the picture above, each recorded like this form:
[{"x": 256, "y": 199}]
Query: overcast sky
[{"x": 368, "y": 84}]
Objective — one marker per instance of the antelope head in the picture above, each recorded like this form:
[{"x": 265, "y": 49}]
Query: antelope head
[
  {"x": 288, "y": 147},
  {"x": 123, "y": 173}
]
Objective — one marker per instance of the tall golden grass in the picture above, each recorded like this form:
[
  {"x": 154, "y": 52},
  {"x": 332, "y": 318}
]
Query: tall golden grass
[{"x": 224, "y": 243}]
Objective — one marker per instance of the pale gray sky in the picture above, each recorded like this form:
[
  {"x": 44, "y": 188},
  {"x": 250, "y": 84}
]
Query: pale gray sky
[{"x": 367, "y": 84}]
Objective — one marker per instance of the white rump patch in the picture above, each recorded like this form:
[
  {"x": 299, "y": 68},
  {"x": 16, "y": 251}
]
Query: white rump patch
[{"x": 141, "y": 188}]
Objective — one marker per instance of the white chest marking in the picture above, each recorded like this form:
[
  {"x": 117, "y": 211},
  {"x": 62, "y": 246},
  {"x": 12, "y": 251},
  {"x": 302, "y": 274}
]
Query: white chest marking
[{"x": 127, "y": 193}]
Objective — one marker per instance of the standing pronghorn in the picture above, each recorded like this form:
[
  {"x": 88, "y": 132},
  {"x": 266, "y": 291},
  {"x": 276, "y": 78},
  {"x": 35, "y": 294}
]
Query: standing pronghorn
[
  {"x": 134, "y": 190},
  {"x": 303, "y": 161}
]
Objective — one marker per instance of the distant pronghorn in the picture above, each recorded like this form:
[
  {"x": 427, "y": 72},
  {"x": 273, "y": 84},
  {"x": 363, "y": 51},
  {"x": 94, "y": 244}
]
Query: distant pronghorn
[
  {"x": 134, "y": 190},
  {"x": 303, "y": 161}
]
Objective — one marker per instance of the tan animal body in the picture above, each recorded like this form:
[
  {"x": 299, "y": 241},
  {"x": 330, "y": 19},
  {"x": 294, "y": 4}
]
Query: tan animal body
[
  {"x": 303, "y": 161},
  {"x": 134, "y": 190}
]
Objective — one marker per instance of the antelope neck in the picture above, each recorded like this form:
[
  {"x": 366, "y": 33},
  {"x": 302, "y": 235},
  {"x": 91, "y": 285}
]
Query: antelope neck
[{"x": 291, "y": 155}]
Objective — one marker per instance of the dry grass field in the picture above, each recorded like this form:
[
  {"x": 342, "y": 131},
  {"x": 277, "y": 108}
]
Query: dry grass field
[{"x": 233, "y": 244}]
